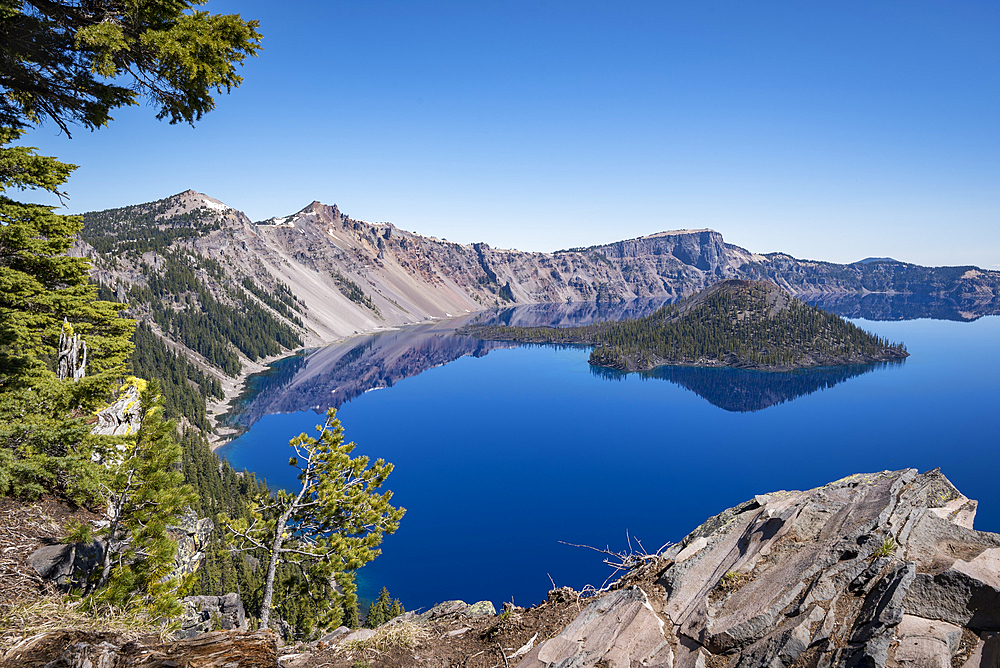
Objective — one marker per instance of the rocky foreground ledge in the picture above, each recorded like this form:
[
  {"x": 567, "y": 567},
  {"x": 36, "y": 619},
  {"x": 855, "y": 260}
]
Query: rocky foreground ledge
[{"x": 879, "y": 569}]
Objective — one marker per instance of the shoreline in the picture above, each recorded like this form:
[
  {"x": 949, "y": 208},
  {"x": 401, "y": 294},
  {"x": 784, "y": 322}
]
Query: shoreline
[
  {"x": 233, "y": 387},
  {"x": 763, "y": 368}
]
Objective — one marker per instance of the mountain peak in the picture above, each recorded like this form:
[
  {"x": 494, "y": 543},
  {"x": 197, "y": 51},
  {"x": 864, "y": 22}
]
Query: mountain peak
[{"x": 192, "y": 199}]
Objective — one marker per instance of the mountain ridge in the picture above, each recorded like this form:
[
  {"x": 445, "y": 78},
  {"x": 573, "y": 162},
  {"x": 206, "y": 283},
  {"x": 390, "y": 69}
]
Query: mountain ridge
[{"x": 319, "y": 275}]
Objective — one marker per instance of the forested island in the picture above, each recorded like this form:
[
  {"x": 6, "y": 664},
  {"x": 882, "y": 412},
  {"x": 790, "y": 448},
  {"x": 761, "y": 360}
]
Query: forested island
[{"x": 733, "y": 323}]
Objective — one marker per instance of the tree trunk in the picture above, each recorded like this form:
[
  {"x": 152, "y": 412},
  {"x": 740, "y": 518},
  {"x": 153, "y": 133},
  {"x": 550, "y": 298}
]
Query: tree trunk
[
  {"x": 81, "y": 649},
  {"x": 106, "y": 557},
  {"x": 279, "y": 541},
  {"x": 272, "y": 567}
]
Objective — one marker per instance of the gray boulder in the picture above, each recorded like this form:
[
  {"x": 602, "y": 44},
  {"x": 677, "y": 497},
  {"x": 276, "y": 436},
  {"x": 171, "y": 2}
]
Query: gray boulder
[
  {"x": 455, "y": 609},
  {"x": 68, "y": 565}
]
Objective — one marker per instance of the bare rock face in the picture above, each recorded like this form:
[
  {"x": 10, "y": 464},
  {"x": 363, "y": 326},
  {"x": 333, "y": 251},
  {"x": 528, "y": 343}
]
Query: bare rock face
[
  {"x": 872, "y": 570},
  {"x": 212, "y": 613},
  {"x": 122, "y": 417},
  {"x": 621, "y": 629},
  {"x": 191, "y": 534}
]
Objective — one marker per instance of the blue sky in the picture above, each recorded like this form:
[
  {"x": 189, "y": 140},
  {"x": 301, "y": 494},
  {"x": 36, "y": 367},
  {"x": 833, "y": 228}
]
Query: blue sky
[{"x": 827, "y": 130}]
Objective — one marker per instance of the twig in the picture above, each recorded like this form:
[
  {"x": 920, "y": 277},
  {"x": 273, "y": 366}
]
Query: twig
[
  {"x": 503, "y": 654},
  {"x": 626, "y": 560},
  {"x": 589, "y": 588},
  {"x": 550, "y": 580}
]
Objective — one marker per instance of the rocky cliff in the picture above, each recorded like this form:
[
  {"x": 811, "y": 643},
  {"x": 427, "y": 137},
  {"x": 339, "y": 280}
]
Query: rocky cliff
[
  {"x": 401, "y": 277},
  {"x": 872, "y": 570}
]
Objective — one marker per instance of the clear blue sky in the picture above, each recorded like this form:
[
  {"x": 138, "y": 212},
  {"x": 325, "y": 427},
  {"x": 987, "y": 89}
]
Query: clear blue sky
[{"x": 829, "y": 130}]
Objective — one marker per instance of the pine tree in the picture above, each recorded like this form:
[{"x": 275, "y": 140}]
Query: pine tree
[
  {"x": 41, "y": 287},
  {"x": 43, "y": 438},
  {"x": 75, "y": 62},
  {"x": 332, "y": 525},
  {"x": 396, "y": 609},
  {"x": 143, "y": 494},
  {"x": 382, "y": 610},
  {"x": 351, "y": 615},
  {"x": 375, "y": 616}
]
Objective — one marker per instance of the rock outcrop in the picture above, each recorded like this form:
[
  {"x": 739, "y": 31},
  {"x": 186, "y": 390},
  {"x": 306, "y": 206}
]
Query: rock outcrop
[
  {"x": 212, "y": 613},
  {"x": 191, "y": 534},
  {"x": 456, "y": 610},
  {"x": 123, "y": 416},
  {"x": 872, "y": 570},
  {"x": 73, "y": 565}
]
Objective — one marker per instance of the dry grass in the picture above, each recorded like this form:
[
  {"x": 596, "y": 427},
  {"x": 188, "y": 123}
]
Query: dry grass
[
  {"x": 733, "y": 580},
  {"x": 23, "y": 529},
  {"x": 53, "y": 613},
  {"x": 387, "y": 638}
]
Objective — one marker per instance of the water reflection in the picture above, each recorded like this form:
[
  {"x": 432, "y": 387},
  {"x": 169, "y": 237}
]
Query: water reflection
[
  {"x": 330, "y": 376},
  {"x": 571, "y": 313},
  {"x": 906, "y": 307},
  {"x": 748, "y": 391},
  {"x": 870, "y": 306}
]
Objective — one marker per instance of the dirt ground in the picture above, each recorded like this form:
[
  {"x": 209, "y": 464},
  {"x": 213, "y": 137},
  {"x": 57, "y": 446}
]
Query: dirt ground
[
  {"x": 485, "y": 644},
  {"x": 25, "y": 527}
]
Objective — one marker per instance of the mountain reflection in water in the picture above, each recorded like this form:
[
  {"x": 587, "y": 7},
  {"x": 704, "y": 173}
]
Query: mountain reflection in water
[
  {"x": 747, "y": 390},
  {"x": 874, "y": 306},
  {"x": 330, "y": 376}
]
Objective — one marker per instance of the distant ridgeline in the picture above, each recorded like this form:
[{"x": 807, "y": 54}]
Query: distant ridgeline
[{"x": 734, "y": 323}]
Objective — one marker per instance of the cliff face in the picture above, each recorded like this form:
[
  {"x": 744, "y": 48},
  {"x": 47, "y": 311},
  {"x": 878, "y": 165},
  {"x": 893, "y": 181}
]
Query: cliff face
[{"x": 872, "y": 570}]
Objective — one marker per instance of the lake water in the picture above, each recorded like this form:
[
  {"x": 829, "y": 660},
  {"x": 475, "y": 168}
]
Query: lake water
[{"x": 502, "y": 452}]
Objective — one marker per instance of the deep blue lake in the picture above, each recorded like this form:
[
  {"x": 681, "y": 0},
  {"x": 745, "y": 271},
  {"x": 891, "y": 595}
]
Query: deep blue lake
[{"x": 501, "y": 452}]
